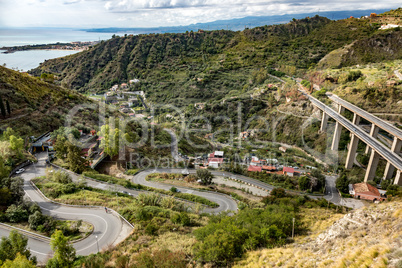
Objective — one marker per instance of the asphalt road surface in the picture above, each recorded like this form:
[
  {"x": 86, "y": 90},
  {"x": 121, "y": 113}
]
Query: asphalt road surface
[
  {"x": 225, "y": 202},
  {"x": 109, "y": 228}
]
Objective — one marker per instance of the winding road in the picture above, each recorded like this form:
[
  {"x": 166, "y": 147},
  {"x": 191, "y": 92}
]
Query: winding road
[
  {"x": 225, "y": 202},
  {"x": 109, "y": 228}
]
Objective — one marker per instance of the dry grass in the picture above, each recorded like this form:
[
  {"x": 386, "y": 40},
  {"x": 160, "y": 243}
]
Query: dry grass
[{"x": 369, "y": 237}]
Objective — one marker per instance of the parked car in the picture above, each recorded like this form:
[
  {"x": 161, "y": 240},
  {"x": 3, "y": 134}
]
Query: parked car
[{"x": 20, "y": 171}]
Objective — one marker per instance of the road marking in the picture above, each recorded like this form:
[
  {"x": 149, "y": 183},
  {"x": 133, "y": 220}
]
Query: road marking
[{"x": 67, "y": 213}]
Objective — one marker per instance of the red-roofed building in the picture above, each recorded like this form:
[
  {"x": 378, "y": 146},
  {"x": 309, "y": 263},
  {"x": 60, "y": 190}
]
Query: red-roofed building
[
  {"x": 215, "y": 159},
  {"x": 269, "y": 168},
  {"x": 254, "y": 168},
  {"x": 366, "y": 191},
  {"x": 288, "y": 171},
  {"x": 255, "y": 162},
  {"x": 215, "y": 162}
]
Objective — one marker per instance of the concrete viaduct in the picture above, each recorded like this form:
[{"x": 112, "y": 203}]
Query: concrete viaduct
[{"x": 376, "y": 148}]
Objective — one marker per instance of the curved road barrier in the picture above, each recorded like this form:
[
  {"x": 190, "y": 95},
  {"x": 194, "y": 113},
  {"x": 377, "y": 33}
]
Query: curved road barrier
[{"x": 109, "y": 228}]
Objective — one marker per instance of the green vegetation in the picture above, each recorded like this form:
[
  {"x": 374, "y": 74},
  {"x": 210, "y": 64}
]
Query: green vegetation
[
  {"x": 13, "y": 248},
  {"x": 2, "y": 108},
  {"x": 205, "y": 176},
  {"x": 226, "y": 238},
  {"x": 110, "y": 179},
  {"x": 110, "y": 142},
  {"x": 37, "y": 106},
  {"x": 209, "y": 65},
  {"x": 64, "y": 252}
]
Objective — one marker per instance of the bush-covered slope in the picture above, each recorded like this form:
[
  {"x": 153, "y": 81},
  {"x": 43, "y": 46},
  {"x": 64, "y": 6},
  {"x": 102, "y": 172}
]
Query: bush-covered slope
[
  {"x": 184, "y": 68},
  {"x": 384, "y": 46},
  {"x": 35, "y": 106},
  {"x": 368, "y": 237}
]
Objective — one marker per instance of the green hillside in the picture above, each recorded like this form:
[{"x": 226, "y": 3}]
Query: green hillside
[
  {"x": 208, "y": 65},
  {"x": 35, "y": 106}
]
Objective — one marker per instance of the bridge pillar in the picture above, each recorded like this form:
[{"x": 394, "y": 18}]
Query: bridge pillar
[
  {"x": 373, "y": 133},
  {"x": 350, "y": 159},
  {"x": 338, "y": 131},
  {"x": 337, "y": 137},
  {"x": 324, "y": 122},
  {"x": 356, "y": 119},
  {"x": 389, "y": 169},
  {"x": 398, "y": 179},
  {"x": 372, "y": 166}
]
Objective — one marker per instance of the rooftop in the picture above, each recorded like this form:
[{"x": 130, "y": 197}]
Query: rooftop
[
  {"x": 366, "y": 188},
  {"x": 254, "y": 168},
  {"x": 288, "y": 170}
]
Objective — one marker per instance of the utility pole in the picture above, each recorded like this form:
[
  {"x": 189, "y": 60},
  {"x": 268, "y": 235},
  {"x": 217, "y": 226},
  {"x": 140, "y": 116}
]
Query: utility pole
[{"x": 293, "y": 228}]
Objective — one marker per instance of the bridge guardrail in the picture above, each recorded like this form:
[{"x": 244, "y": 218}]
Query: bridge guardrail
[{"x": 27, "y": 233}]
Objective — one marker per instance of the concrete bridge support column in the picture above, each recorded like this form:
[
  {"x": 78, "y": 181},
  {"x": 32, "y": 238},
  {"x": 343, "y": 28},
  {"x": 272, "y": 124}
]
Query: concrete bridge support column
[
  {"x": 350, "y": 159},
  {"x": 373, "y": 133},
  {"x": 372, "y": 166},
  {"x": 389, "y": 169},
  {"x": 337, "y": 132},
  {"x": 356, "y": 119},
  {"x": 398, "y": 178},
  {"x": 324, "y": 122}
]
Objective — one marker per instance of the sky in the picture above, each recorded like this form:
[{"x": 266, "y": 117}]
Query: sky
[{"x": 151, "y": 13}]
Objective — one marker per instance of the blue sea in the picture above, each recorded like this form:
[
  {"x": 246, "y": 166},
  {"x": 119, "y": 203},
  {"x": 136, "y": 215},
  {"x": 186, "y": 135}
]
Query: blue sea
[{"x": 26, "y": 60}]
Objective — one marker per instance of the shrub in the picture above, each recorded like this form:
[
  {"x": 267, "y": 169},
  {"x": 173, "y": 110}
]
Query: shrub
[
  {"x": 16, "y": 213},
  {"x": 304, "y": 183},
  {"x": 173, "y": 189},
  {"x": 151, "y": 229},
  {"x": 205, "y": 176},
  {"x": 35, "y": 220},
  {"x": 132, "y": 171}
]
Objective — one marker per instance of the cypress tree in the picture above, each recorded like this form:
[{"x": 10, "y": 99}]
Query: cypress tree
[
  {"x": 8, "y": 107},
  {"x": 2, "y": 109}
]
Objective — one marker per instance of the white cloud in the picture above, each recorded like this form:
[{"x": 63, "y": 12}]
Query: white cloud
[{"x": 149, "y": 13}]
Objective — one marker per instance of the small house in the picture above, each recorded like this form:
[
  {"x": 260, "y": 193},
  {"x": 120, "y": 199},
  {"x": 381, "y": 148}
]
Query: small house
[
  {"x": 366, "y": 191},
  {"x": 288, "y": 171}
]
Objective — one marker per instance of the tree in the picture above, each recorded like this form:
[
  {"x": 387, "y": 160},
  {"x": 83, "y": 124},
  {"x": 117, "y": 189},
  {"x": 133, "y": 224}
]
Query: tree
[
  {"x": 320, "y": 180},
  {"x": 19, "y": 262},
  {"x": 7, "y": 134},
  {"x": 16, "y": 187},
  {"x": 64, "y": 252},
  {"x": 342, "y": 183},
  {"x": 304, "y": 183},
  {"x": 8, "y": 107},
  {"x": 205, "y": 176},
  {"x": 4, "y": 170},
  {"x": 5, "y": 196},
  {"x": 75, "y": 160},
  {"x": 16, "y": 144},
  {"x": 12, "y": 245},
  {"x": 2, "y": 109},
  {"x": 278, "y": 192},
  {"x": 393, "y": 190},
  {"x": 110, "y": 140},
  {"x": 35, "y": 220},
  {"x": 60, "y": 146},
  {"x": 16, "y": 213}
]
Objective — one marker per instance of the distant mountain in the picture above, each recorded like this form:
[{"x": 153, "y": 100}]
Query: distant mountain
[{"x": 241, "y": 23}]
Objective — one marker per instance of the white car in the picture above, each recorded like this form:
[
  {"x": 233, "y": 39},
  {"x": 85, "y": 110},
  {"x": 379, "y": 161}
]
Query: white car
[{"x": 20, "y": 171}]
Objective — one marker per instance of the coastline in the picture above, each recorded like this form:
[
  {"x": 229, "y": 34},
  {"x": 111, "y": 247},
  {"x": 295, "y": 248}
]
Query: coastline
[{"x": 6, "y": 51}]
